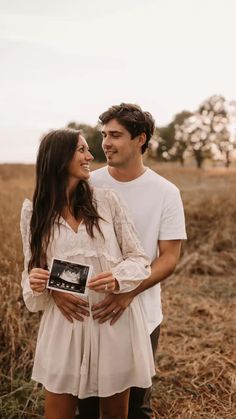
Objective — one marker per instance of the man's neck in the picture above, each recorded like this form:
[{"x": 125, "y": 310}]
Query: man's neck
[{"x": 127, "y": 174}]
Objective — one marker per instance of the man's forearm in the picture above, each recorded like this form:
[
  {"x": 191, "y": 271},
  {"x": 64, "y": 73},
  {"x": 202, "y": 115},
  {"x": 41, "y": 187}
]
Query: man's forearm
[{"x": 162, "y": 268}]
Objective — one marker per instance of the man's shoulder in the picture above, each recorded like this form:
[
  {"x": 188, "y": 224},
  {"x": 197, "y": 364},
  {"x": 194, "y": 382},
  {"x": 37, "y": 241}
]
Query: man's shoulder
[
  {"x": 99, "y": 173},
  {"x": 161, "y": 182}
]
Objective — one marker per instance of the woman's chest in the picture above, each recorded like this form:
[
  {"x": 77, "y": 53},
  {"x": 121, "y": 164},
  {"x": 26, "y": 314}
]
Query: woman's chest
[{"x": 68, "y": 243}]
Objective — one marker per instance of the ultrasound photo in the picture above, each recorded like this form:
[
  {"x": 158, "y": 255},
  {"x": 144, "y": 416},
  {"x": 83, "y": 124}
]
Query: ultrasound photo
[{"x": 69, "y": 276}]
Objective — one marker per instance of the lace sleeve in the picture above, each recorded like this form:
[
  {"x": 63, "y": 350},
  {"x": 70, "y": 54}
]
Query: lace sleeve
[
  {"x": 135, "y": 266},
  {"x": 34, "y": 301}
]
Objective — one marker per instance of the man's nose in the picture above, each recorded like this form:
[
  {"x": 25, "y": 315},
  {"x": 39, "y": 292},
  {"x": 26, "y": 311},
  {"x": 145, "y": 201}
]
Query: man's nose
[{"x": 106, "y": 142}]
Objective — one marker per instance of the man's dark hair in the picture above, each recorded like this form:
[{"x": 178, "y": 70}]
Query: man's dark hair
[{"x": 133, "y": 118}]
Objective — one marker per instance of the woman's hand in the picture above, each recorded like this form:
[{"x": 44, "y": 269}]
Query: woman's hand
[
  {"x": 38, "y": 278},
  {"x": 104, "y": 282}
]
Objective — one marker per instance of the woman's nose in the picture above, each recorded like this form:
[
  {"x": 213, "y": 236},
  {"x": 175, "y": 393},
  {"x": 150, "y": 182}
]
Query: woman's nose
[{"x": 89, "y": 156}]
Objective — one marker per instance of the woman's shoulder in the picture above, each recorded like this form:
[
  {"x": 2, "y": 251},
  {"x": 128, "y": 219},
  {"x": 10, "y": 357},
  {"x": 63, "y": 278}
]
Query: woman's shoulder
[
  {"x": 26, "y": 213},
  {"x": 27, "y": 205},
  {"x": 26, "y": 210},
  {"x": 109, "y": 199},
  {"x": 101, "y": 194}
]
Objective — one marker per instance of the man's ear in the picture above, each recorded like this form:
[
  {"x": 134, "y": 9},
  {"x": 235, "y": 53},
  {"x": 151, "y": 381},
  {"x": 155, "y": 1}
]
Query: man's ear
[{"x": 142, "y": 139}]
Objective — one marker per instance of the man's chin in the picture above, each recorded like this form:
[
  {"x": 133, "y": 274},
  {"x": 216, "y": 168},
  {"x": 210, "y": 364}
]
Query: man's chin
[
  {"x": 110, "y": 161},
  {"x": 110, "y": 164}
]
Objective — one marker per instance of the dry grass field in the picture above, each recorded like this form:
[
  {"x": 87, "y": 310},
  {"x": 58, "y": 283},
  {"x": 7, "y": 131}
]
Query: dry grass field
[{"x": 196, "y": 360}]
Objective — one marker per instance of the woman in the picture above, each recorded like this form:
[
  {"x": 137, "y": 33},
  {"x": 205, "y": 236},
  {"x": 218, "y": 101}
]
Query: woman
[{"x": 67, "y": 220}]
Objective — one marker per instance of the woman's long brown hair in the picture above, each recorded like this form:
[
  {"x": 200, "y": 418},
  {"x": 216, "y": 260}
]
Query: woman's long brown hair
[{"x": 55, "y": 152}]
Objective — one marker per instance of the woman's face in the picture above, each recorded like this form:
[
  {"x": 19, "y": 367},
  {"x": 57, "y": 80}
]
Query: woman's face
[{"x": 79, "y": 166}]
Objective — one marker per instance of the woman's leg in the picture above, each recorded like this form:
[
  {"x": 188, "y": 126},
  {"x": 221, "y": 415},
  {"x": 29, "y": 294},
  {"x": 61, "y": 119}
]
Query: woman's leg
[
  {"x": 59, "y": 406},
  {"x": 116, "y": 406}
]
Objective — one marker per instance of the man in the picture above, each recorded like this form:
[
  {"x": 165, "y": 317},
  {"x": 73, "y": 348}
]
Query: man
[{"x": 156, "y": 208}]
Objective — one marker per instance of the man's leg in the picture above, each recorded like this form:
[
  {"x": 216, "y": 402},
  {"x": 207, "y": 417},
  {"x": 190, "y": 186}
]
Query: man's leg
[
  {"x": 89, "y": 408},
  {"x": 140, "y": 398}
]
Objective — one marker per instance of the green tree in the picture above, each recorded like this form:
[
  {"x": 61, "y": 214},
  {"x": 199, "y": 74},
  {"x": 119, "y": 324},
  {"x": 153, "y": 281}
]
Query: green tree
[
  {"x": 166, "y": 136},
  {"x": 205, "y": 133},
  {"x": 191, "y": 137},
  {"x": 215, "y": 113}
]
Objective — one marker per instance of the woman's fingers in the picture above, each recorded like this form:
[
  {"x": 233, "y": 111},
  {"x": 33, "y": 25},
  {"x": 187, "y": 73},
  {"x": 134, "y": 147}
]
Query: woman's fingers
[
  {"x": 104, "y": 282},
  {"x": 101, "y": 276},
  {"x": 37, "y": 285},
  {"x": 39, "y": 272},
  {"x": 38, "y": 278}
]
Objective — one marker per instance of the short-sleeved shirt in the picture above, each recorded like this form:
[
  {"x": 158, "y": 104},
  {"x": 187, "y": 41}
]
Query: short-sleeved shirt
[{"x": 156, "y": 208}]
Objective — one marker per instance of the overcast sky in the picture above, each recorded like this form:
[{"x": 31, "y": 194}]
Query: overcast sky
[{"x": 69, "y": 60}]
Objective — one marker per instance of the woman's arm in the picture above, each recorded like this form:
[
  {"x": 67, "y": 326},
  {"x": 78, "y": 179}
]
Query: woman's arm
[
  {"x": 135, "y": 266},
  {"x": 34, "y": 300}
]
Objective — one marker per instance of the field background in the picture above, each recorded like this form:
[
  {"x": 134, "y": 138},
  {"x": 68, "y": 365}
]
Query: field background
[{"x": 196, "y": 360}]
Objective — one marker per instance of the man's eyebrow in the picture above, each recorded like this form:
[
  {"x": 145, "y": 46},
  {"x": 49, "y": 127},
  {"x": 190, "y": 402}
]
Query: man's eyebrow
[{"x": 111, "y": 132}]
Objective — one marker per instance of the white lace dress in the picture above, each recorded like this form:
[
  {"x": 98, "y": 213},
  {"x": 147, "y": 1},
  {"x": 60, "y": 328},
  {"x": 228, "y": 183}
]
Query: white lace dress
[{"x": 87, "y": 358}]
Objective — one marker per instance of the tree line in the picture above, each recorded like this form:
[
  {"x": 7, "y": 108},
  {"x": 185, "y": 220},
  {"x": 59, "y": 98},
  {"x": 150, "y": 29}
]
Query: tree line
[{"x": 207, "y": 133}]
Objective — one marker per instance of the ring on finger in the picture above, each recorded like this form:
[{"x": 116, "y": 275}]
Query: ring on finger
[
  {"x": 106, "y": 287},
  {"x": 114, "y": 311}
]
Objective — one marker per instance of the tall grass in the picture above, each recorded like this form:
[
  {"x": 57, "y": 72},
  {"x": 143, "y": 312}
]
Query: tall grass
[{"x": 196, "y": 363}]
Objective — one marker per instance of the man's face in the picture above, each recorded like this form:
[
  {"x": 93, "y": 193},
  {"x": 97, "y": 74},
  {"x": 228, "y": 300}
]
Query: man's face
[{"x": 120, "y": 150}]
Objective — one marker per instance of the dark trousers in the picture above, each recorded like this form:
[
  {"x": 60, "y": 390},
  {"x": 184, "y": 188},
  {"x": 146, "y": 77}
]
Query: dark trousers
[{"x": 140, "y": 398}]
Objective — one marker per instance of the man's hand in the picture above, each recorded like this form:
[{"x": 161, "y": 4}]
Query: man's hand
[
  {"x": 71, "y": 306},
  {"x": 112, "y": 307}
]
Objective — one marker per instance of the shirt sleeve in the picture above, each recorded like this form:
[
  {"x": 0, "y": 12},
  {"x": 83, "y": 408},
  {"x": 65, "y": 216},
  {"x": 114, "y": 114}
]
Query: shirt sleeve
[
  {"x": 135, "y": 266},
  {"x": 34, "y": 301},
  {"x": 172, "y": 226}
]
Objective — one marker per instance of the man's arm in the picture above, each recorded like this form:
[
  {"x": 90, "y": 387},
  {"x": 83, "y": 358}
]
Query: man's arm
[
  {"x": 71, "y": 306},
  {"x": 163, "y": 266},
  {"x": 113, "y": 305}
]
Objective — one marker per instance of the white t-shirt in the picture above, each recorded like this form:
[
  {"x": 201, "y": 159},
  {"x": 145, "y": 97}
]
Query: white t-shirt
[{"x": 157, "y": 211}]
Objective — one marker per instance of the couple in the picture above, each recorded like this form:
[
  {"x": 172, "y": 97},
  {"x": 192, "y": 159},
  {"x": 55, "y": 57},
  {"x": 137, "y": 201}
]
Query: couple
[{"x": 100, "y": 349}]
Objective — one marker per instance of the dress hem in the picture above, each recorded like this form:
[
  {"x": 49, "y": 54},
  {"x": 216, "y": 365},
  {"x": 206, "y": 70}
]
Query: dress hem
[{"x": 95, "y": 394}]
